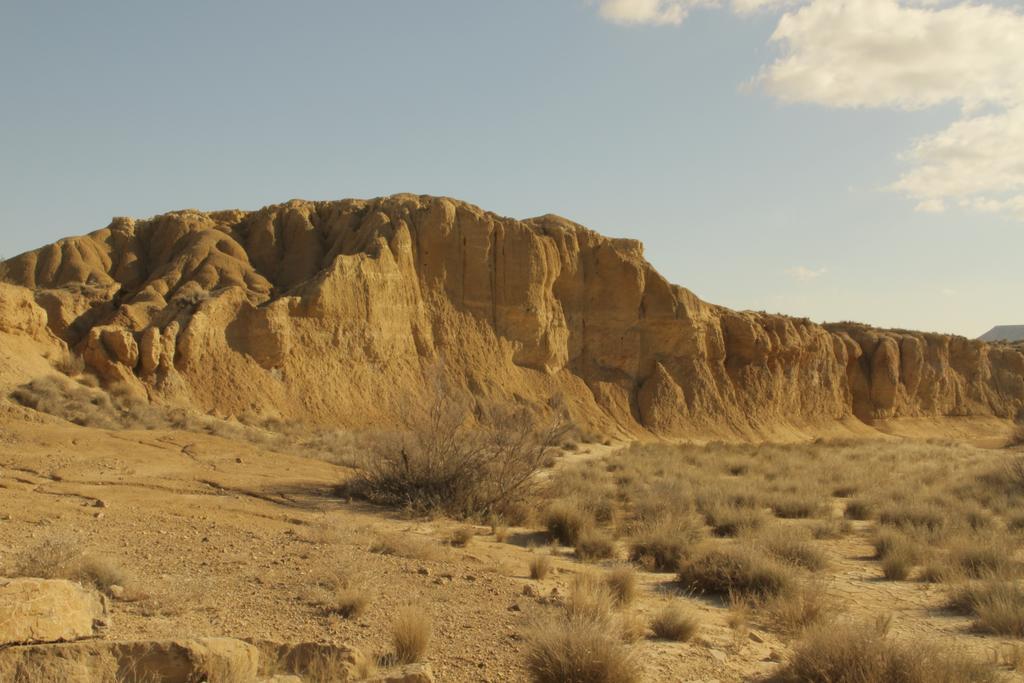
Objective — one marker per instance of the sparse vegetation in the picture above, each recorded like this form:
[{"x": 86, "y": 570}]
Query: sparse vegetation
[
  {"x": 853, "y": 653},
  {"x": 793, "y": 545},
  {"x": 462, "y": 537},
  {"x": 996, "y": 604},
  {"x": 579, "y": 650},
  {"x": 63, "y": 557},
  {"x": 738, "y": 570},
  {"x": 622, "y": 583},
  {"x": 445, "y": 459},
  {"x": 566, "y": 521},
  {"x": 410, "y": 635},
  {"x": 540, "y": 566},
  {"x": 674, "y": 623},
  {"x": 660, "y": 545},
  {"x": 594, "y": 544}
]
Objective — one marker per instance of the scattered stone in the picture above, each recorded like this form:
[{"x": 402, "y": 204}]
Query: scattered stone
[
  {"x": 529, "y": 591},
  {"x": 423, "y": 571},
  {"x": 116, "y": 591}
]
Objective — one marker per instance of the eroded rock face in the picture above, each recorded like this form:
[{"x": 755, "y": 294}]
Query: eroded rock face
[
  {"x": 330, "y": 312},
  {"x": 96, "y": 661},
  {"x": 48, "y": 611}
]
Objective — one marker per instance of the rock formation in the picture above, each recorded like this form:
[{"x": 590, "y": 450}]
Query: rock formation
[{"x": 331, "y": 312}]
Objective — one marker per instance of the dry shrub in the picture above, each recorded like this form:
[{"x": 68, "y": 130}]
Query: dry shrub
[
  {"x": 69, "y": 363},
  {"x": 914, "y": 516},
  {"x": 622, "y": 582},
  {"x": 997, "y": 606},
  {"x": 727, "y": 520},
  {"x": 449, "y": 460},
  {"x": 540, "y": 567},
  {"x": 792, "y": 544},
  {"x": 590, "y": 598},
  {"x": 62, "y": 557},
  {"x": 796, "y": 505},
  {"x": 805, "y": 607},
  {"x": 888, "y": 542},
  {"x": 565, "y": 521},
  {"x": 579, "y": 650},
  {"x": 896, "y": 565},
  {"x": 410, "y": 635},
  {"x": 978, "y": 557},
  {"x": 855, "y": 653},
  {"x": 462, "y": 537},
  {"x": 407, "y": 546},
  {"x": 632, "y": 627},
  {"x": 660, "y": 545},
  {"x": 738, "y": 570},
  {"x": 829, "y": 528},
  {"x": 342, "y": 592},
  {"x": 594, "y": 544},
  {"x": 675, "y": 623},
  {"x": 859, "y": 509}
]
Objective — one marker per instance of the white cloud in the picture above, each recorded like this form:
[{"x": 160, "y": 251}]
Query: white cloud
[
  {"x": 805, "y": 274},
  {"x": 904, "y": 55},
  {"x": 649, "y": 11},
  {"x": 886, "y": 53},
  {"x": 977, "y": 162}
]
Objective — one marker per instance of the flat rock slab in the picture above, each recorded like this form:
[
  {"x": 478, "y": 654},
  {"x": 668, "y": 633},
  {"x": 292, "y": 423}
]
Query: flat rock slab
[
  {"x": 49, "y": 611},
  {"x": 184, "y": 661}
]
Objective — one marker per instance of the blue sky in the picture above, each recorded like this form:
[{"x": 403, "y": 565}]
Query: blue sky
[{"x": 762, "y": 174}]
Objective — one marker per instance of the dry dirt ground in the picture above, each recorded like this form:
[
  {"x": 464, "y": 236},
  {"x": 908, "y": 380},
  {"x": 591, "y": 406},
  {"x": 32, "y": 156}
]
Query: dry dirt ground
[{"x": 225, "y": 539}]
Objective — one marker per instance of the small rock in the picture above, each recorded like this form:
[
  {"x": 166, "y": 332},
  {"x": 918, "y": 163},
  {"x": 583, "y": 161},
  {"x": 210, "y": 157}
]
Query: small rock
[
  {"x": 423, "y": 571},
  {"x": 98, "y": 515},
  {"x": 756, "y": 637},
  {"x": 238, "y": 460},
  {"x": 529, "y": 591},
  {"x": 116, "y": 591},
  {"x": 99, "y": 504},
  {"x": 514, "y": 607}
]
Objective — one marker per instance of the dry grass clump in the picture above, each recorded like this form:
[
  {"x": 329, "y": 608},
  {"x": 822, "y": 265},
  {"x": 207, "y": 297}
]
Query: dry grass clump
[
  {"x": 675, "y": 623},
  {"x": 579, "y": 650},
  {"x": 978, "y": 557},
  {"x": 590, "y": 598},
  {"x": 732, "y": 520},
  {"x": 913, "y": 515},
  {"x": 540, "y": 567},
  {"x": 996, "y": 604},
  {"x": 737, "y": 570},
  {"x": 594, "y": 544},
  {"x": 858, "y": 509},
  {"x": 796, "y": 505},
  {"x": 897, "y": 552},
  {"x": 622, "y": 582},
  {"x": 829, "y": 528},
  {"x": 62, "y": 557},
  {"x": 342, "y": 591},
  {"x": 660, "y": 545},
  {"x": 855, "y": 653},
  {"x": 793, "y": 545},
  {"x": 462, "y": 537},
  {"x": 565, "y": 521},
  {"x": 410, "y": 635},
  {"x": 443, "y": 460},
  {"x": 806, "y": 606},
  {"x": 407, "y": 546}
]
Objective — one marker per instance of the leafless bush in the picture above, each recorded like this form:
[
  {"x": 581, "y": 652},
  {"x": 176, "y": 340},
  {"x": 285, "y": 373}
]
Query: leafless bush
[
  {"x": 445, "y": 461},
  {"x": 579, "y": 650}
]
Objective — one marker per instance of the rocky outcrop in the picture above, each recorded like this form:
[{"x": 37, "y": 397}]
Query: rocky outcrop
[
  {"x": 97, "y": 661},
  {"x": 48, "y": 611},
  {"x": 330, "y": 312}
]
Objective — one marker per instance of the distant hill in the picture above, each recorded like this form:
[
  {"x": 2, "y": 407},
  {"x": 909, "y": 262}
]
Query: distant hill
[{"x": 1010, "y": 333}]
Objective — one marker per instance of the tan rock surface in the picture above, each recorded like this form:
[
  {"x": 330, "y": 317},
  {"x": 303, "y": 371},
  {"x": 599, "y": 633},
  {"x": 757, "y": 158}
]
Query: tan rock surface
[
  {"x": 329, "y": 312},
  {"x": 48, "y": 611}
]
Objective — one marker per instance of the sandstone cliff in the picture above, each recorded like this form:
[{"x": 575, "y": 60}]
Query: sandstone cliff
[{"x": 329, "y": 312}]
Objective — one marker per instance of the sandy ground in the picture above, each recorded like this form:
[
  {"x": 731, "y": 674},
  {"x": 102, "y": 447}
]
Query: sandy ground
[{"x": 229, "y": 540}]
